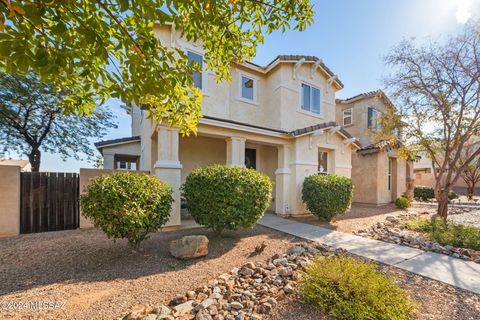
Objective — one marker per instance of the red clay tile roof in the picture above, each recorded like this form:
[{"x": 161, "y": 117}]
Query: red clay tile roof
[
  {"x": 296, "y": 57},
  {"x": 386, "y": 145},
  {"x": 365, "y": 95}
]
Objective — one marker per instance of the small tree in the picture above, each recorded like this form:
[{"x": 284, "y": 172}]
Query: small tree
[
  {"x": 103, "y": 49},
  {"x": 31, "y": 120},
  {"x": 471, "y": 172},
  {"x": 438, "y": 90}
]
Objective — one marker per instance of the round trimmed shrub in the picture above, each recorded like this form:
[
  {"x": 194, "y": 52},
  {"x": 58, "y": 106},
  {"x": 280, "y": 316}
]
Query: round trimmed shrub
[
  {"x": 327, "y": 195},
  {"x": 351, "y": 289},
  {"x": 452, "y": 195},
  {"x": 402, "y": 202},
  {"x": 227, "y": 198},
  {"x": 423, "y": 193},
  {"x": 127, "y": 205}
]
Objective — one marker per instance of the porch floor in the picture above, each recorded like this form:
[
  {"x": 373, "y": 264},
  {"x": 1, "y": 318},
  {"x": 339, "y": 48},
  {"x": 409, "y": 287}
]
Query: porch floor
[{"x": 459, "y": 273}]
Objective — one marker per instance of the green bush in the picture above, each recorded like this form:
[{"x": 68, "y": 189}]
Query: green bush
[
  {"x": 447, "y": 233},
  {"x": 423, "y": 193},
  {"x": 127, "y": 205},
  {"x": 227, "y": 198},
  {"x": 350, "y": 289},
  {"x": 452, "y": 195},
  {"x": 327, "y": 195},
  {"x": 403, "y": 202}
]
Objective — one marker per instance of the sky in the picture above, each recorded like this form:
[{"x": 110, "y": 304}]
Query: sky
[{"x": 350, "y": 36}]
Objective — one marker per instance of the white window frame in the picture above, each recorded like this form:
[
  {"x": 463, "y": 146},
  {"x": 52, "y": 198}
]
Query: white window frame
[
  {"x": 375, "y": 115},
  {"x": 389, "y": 175},
  {"x": 255, "y": 88},
  {"x": 309, "y": 112},
  {"x": 347, "y": 116},
  {"x": 325, "y": 171},
  {"x": 186, "y": 48}
]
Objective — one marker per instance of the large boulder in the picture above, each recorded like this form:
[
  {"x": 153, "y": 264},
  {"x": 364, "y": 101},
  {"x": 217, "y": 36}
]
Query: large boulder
[{"x": 189, "y": 247}]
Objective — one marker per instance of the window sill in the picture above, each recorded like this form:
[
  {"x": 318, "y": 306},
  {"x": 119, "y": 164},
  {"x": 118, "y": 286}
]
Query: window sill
[
  {"x": 347, "y": 125},
  {"x": 244, "y": 100},
  {"x": 308, "y": 113}
]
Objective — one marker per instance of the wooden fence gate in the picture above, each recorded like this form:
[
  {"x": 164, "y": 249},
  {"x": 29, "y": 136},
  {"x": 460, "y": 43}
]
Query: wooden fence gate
[{"x": 49, "y": 201}]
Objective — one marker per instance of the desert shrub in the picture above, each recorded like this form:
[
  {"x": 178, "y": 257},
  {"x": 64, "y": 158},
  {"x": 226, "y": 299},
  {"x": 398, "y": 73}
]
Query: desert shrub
[
  {"x": 423, "y": 193},
  {"x": 327, "y": 195},
  {"x": 446, "y": 232},
  {"x": 350, "y": 289},
  {"x": 452, "y": 195},
  {"x": 227, "y": 198},
  {"x": 402, "y": 202},
  {"x": 127, "y": 205}
]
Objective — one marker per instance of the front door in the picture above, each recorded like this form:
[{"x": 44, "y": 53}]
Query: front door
[{"x": 251, "y": 158}]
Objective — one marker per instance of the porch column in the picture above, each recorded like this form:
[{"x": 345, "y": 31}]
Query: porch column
[
  {"x": 168, "y": 167},
  {"x": 282, "y": 182},
  {"x": 236, "y": 151}
]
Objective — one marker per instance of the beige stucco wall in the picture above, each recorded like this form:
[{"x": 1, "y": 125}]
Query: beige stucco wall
[
  {"x": 359, "y": 127},
  {"x": 370, "y": 177},
  {"x": 304, "y": 162},
  {"x": 200, "y": 151},
  {"x": 277, "y": 103},
  {"x": 9, "y": 200}
]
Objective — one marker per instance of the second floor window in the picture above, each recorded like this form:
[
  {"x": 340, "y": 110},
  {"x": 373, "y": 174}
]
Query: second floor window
[
  {"x": 197, "y": 76},
  {"x": 373, "y": 116},
  {"x": 248, "y": 88},
  {"x": 310, "y": 99},
  {"x": 347, "y": 117}
]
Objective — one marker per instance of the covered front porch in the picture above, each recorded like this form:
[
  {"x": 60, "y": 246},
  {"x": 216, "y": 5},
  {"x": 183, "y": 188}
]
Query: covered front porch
[{"x": 265, "y": 151}]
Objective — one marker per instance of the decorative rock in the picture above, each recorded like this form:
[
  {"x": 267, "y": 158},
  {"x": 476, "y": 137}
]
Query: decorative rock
[
  {"x": 236, "y": 305},
  {"x": 185, "y": 307},
  {"x": 161, "y": 311},
  {"x": 264, "y": 308},
  {"x": 280, "y": 262},
  {"x": 288, "y": 288},
  {"x": 296, "y": 250},
  {"x": 285, "y": 271},
  {"x": 189, "y": 247},
  {"x": 179, "y": 299}
]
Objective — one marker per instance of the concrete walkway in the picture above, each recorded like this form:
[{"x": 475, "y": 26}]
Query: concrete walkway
[{"x": 456, "y": 272}]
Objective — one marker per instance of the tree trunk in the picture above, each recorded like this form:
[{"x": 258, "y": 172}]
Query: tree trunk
[
  {"x": 442, "y": 199},
  {"x": 34, "y": 159}
]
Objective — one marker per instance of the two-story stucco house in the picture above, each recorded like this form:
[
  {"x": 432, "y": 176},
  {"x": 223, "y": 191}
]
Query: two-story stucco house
[
  {"x": 379, "y": 174},
  {"x": 278, "y": 119}
]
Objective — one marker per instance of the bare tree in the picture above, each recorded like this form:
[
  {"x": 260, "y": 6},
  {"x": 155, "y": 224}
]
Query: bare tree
[
  {"x": 437, "y": 88},
  {"x": 471, "y": 172}
]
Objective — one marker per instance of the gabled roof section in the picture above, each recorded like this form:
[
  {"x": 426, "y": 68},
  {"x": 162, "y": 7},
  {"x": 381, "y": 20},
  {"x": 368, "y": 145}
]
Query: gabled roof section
[
  {"x": 311, "y": 59},
  {"x": 106, "y": 143},
  {"x": 325, "y": 125},
  {"x": 382, "y": 145},
  {"x": 366, "y": 95}
]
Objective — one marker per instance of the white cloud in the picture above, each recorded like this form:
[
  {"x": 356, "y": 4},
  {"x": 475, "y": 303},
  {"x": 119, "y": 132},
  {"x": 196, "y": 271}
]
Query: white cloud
[{"x": 464, "y": 10}]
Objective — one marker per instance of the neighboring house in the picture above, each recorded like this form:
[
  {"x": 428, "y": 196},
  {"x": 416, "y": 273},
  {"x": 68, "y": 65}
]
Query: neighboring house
[
  {"x": 423, "y": 171},
  {"x": 379, "y": 175},
  {"x": 278, "y": 119},
  {"x": 24, "y": 165}
]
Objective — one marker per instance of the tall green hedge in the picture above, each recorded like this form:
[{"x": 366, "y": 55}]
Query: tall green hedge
[
  {"x": 227, "y": 198},
  {"x": 127, "y": 205},
  {"x": 327, "y": 195}
]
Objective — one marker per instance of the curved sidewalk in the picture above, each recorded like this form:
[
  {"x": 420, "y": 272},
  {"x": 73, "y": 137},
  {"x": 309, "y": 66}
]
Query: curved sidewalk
[{"x": 456, "y": 272}]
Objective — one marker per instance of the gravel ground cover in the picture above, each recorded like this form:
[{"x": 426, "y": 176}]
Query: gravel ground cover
[
  {"x": 99, "y": 279},
  {"x": 469, "y": 218},
  {"x": 363, "y": 216}
]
